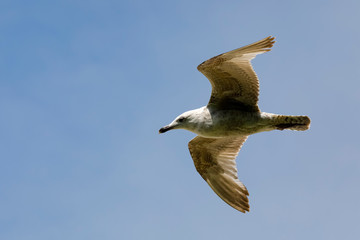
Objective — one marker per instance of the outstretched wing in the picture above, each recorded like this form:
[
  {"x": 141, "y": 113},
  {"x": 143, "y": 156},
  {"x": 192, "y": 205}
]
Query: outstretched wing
[
  {"x": 214, "y": 159},
  {"x": 234, "y": 81}
]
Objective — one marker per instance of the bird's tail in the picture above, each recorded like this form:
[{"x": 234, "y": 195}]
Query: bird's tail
[{"x": 298, "y": 123}]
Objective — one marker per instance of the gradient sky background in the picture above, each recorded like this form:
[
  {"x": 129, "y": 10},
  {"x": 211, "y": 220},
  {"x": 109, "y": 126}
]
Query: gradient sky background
[{"x": 85, "y": 86}]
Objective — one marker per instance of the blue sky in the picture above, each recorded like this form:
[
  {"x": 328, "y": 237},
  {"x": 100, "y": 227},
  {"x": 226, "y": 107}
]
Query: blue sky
[{"x": 85, "y": 86}]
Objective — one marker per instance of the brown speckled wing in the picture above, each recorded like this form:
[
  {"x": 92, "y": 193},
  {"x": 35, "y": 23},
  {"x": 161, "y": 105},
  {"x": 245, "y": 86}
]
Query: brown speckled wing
[
  {"x": 234, "y": 81},
  {"x": 214, "y": 159}
]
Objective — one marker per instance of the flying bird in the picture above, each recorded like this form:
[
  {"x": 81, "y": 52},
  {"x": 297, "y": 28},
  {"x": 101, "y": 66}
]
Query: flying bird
[{"x": 231, "y": 115}]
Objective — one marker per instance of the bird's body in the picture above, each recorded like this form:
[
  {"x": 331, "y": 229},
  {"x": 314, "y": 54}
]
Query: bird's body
[
  {"x": 216, "y": 123},
  {"x": 231, "y": 115}
]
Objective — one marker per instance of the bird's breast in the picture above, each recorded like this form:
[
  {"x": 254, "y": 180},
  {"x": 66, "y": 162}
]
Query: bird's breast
[{"x": 229, "y": 123}]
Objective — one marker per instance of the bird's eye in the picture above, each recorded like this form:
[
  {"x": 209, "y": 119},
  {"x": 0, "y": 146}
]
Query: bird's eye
[{"x": 182, "y": 119}]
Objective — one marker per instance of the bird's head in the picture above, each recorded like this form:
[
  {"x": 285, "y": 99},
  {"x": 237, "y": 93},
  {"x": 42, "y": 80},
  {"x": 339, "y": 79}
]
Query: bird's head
[{"x": 188, "y": 120}]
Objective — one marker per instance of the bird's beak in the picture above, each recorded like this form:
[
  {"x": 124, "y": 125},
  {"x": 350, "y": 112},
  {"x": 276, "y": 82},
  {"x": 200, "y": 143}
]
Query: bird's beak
[{"x": 165, "y": 129}]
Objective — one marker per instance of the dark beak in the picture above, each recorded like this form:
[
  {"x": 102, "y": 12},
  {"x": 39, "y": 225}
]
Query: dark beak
[{"x": 165, "y": 129}]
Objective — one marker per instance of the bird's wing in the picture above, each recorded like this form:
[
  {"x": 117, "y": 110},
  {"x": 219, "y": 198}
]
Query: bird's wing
[
  {"x": 214, "y": 159},
  {"x": 234, "y": 81}
]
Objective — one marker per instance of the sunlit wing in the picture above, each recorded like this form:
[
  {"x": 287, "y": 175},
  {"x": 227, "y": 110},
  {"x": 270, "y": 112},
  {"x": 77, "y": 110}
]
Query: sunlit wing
[
  {"x": 214, "y": 159},
  {"x": 234, "y": 81}
]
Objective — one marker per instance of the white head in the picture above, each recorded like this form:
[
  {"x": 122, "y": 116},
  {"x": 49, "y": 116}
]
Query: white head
[{"x": 188, "y": 120}]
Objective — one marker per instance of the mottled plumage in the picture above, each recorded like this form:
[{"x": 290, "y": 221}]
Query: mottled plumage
[{"x": 231, "y": 115}]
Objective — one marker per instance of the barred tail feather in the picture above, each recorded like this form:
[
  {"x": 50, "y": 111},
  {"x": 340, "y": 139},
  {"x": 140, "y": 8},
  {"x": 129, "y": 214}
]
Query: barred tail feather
[{"x": 298, "y": 123}]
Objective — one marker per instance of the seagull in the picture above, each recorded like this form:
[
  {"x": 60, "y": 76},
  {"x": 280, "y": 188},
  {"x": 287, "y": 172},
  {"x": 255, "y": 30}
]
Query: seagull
[{"x": 231, "y": 115}]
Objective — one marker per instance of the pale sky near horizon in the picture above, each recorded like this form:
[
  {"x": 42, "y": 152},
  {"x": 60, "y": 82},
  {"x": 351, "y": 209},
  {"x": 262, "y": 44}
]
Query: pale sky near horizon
[{"x": 86, "y": 85}]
